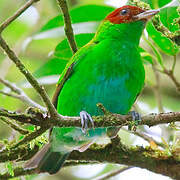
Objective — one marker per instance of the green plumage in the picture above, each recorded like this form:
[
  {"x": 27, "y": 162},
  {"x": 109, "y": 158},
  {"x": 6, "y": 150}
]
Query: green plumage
[{"x": 107, "y": 70}]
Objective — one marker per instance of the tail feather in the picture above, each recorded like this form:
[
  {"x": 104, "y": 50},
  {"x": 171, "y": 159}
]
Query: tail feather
[
  {"x": 52, "y": 162},
  {"x": 47, "y": 161}
]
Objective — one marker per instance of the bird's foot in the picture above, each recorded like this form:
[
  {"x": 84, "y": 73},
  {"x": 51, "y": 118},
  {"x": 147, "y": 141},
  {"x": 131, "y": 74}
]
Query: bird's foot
[
  {"x": 136, "y": 119},
  {"x": 85, "y": 118}
]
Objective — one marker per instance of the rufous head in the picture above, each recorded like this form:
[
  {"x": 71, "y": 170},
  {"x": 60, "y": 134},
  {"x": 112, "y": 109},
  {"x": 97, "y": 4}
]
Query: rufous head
[{"x": 127, "y": 14}]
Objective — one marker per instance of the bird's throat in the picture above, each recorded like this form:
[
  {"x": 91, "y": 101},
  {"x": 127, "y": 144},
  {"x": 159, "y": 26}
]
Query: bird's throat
[{"x": 125, "y": 32}]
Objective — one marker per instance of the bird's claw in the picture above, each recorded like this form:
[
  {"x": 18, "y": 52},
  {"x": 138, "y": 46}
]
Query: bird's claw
[
  {"x": 136, "y": 117},
  {"x": 85, "y": 117}
]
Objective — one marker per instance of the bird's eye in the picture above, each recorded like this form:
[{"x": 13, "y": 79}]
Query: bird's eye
[{"x": 124, "y": 12}]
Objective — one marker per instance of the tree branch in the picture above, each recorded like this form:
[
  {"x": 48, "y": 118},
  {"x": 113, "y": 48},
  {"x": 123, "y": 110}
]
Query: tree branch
[
  {"x": 120, "y": 120},
  {"x": 29, "y": 77},
  {"x": 146, "y": 137},
  {"x": 28, "y": 138},
  {"x": 100, "y": 121},
  {"x": 17, "y": 14},
  {"x": 39, "y": 119},
  {"x": 18, "y": 154},
  {"x": 170, "y": 74},
  {"x": 14, "y": 126},
  {"x": 113, "y": 173},
  {"x": 68, "y": 27},
  {"x": 20, "y": 65},
  {"x": 156, "y": 89},
  {"x": 22, "y": 118},
  {"x": 20, "y": 94},
  {"x": 129, "y": 156},
  {"x": 19, "y": 171},
  {"x": 154, "y": 160}
]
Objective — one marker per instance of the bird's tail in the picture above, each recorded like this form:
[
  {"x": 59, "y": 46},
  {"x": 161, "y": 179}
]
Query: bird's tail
[{"x": 47, "y": 161}]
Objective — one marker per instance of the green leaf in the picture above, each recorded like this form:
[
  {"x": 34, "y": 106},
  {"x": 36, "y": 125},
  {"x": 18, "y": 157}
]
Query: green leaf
[
  {"x": 156, "y": 52},
  {"x": 80, "y": 14},
  {"x": 154, "y": 4},
  {"x": 167, "y": 16},
  {"x": 84, "y": 19},
  {"x": 164, "y": 2},
  {"x": 9, "y": 167},
  {"x": 53, "y": 67},
  {"x": 15, "y": 31},
  {"x": 146, "y": 57},
  {"x": 165, "y": 44},
  {"x": 63, "y": 53},
  {"x": 63, "y": 50}
]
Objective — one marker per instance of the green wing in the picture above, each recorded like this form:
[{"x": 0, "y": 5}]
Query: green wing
[{"x": 82, "y": 52}]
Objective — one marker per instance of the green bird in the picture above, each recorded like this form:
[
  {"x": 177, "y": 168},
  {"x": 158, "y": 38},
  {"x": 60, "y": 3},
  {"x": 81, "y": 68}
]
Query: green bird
[{"x": 108, "y": 70}]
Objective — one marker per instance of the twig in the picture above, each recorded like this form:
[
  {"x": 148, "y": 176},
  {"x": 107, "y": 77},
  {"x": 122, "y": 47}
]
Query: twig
[
  {"x": 21, "y": 171},
  {"x": 12, "y": 86},
  {"x": 17, "y": 172},
  {"x": 10, "y": 94},
  {"x": 14, "y": 126},
  {"x": 156, "y": 89},
  {"x": 145, "y": 137},
  {"x": 174, "y": 64},
  {"x": 28, "y": 138},
  {"x": 67, "y": 22},
  {"x": 22, "y": 153},
  {"x": 170, "y": 74},
  {"x": 22, "y": 118},
  {"x": 71, "y": 40},
  {"x": 29, "y": 77},
  {"x": 17, "y": 14},
  {"x": 20, "y": 94},
  {"x": 113, "y": 173}
]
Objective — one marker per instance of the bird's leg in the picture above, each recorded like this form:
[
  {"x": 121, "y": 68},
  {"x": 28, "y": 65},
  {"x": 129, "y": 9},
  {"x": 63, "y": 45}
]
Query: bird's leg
[
  {"x": 136, "y": 119},
  {"x": 85, "y": 117}
]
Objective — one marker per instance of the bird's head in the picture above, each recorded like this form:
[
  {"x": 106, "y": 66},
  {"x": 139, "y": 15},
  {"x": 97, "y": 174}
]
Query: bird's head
[{"x": 127, "y": 14}]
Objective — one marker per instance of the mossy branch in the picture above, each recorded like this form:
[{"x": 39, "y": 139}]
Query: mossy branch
[
  {"x": 67, "y": 22},
  {"x": 155, "y": 160},
  {"x": 99, "y": 121}
]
